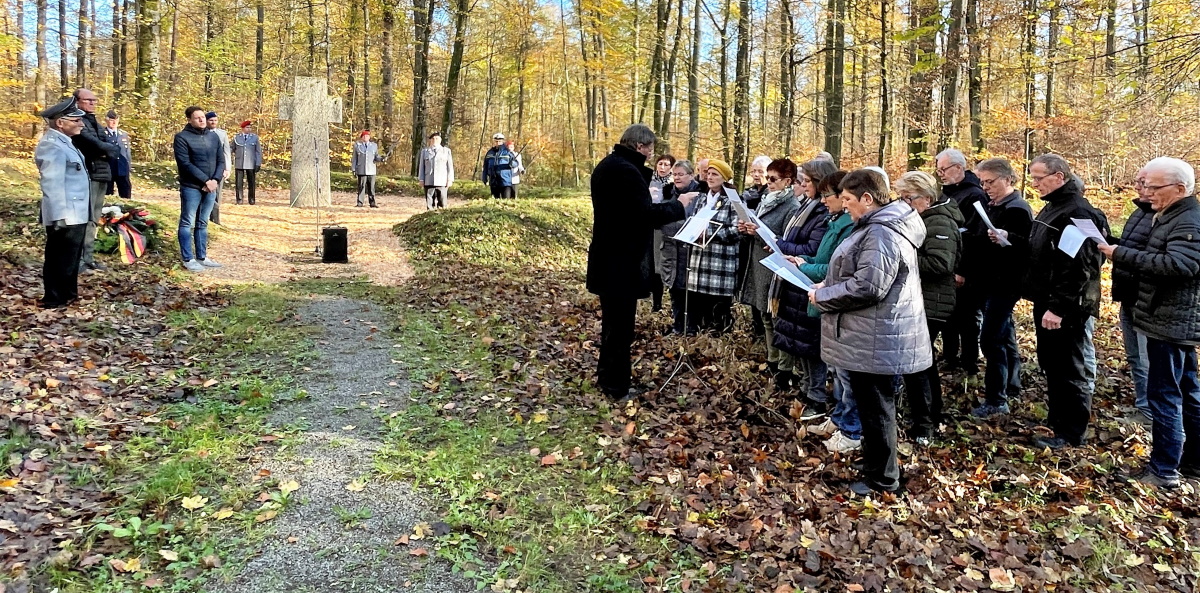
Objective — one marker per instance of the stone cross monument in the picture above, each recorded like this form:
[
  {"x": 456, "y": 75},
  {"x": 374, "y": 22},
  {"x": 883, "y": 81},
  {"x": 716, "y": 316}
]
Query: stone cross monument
[{"x": 310, "y": 112}]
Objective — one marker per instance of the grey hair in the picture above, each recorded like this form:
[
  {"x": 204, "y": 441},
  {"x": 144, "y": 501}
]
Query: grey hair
[
  {"x": 823, "y": 156},
  {"x": 1053, "y": 164},
  {"x": 761, "y": 161},
  {"x": 919, "y": 182},
  {"x": 686, "y": 165},
  {"x": 1001, "y": 167},
  {"x": 637, "y": 135},
  {"x": 954, "y": 155},
  {"x": 1176, "y": 170},
  {"x": 887, "y": 181}
]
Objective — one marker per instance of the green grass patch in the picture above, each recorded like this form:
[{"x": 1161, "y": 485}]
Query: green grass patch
[{"x": 516, "y": 234}]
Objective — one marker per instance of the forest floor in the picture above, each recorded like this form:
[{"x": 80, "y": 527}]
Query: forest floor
[{"x": 423, "y": 419}]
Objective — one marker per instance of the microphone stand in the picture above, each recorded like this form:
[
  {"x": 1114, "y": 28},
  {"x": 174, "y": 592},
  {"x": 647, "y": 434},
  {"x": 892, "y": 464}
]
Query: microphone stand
[{"x": 317, "y": 202}]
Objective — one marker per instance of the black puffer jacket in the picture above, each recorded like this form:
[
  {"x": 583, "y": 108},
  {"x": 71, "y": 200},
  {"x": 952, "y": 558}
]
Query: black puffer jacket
[
  {"x": 97, "y": 152},
  {"x": 938, "y": 256},
  {"x": 965, "y": 193},
  {"x": 1067, "y": 286},
  {"x": 1168, "y": 304},
  {"x": 620, "y": 262},
  {"x": 996, "y": 269},
  {"x": 198, "y": 156},
  {"x": 1135, "y": 236}
]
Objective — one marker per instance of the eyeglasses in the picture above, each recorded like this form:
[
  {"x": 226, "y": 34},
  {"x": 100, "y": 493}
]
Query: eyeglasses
[
  {"x": 828, "y": 196},
  {"x": 944, "y": 170},
  {"x": 1154, "y": 188},
  {"x": 988, "y": 182}
]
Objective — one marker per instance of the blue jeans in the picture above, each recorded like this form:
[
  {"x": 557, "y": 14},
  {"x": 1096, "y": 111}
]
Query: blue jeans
[
  {"x": 195, "y": 207},
  {"x": 1089, "y": 355},
  {"x": 998, "y": 337},
  {"x": 1173, "y": 391},
  {"x": 1135, "y": 355},
  {"x": 845, "y": 410}
]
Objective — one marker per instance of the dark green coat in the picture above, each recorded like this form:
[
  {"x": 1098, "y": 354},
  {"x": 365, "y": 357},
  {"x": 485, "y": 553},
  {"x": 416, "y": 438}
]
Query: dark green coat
[
  {"x": 817, "y": 267},
  {"x": 938, "y": 257}
]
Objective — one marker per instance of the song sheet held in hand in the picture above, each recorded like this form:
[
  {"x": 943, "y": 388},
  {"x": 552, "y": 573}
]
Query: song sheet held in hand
[
  {"x": 983, "y": 215},
  {"x": 695, "y": 227},
  {"x": 746, "y": 215},
  {"x": 786, "y": 270},
  {"x": 1088, "y": 226},
  {"x": 1074, "y": 236}
]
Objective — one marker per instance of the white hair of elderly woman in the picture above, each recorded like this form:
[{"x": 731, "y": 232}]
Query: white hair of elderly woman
[
  {"x": 1176, "y": 170},
  {"x": 887, "y": 181},
  {"x": 760, "y": 161}
]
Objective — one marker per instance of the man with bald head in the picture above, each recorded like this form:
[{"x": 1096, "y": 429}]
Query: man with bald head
[{"x": 97, "y": 152}]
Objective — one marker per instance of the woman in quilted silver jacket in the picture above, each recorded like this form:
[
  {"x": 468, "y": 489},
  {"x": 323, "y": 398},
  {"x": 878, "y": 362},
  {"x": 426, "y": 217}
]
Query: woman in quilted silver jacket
[{"x": 873, "y": 316}]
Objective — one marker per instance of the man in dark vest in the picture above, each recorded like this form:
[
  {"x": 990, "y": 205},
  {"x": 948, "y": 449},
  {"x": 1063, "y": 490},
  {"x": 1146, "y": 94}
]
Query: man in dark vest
[{"x": 620, "y": 264}]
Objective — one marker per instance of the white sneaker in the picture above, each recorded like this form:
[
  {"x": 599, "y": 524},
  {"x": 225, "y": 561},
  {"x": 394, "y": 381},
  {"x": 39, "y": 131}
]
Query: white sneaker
[
  {"x": 209, "y": 263},
  {"x": 192, "y": 265},
  {"x": 840, "y": 443},
  {"x": 824, "y": 429}
]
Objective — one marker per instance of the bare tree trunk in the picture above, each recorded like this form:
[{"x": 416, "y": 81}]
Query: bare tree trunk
[
  {"x": 209, "y": 35},
  {"x": 835, "y": 90},
  {"x": 366, "y": 67},
  {"x": 260, "y": 12},
  {"x": 146, "y": 81},
  {"x": 91, "y": 37},
  {"x": 974, "y": 78},
  {"x": 461, "y": 13},
  {"x": 694, "y": 86},
  {"x": 22, "y": 67},
  {"x": 64, "y": 80},
  {"x": 117, "y": 28},
  {"x": 81, "y": 46},
  {"x": 637, "y": 55},
  {"x": 40, "y": 79},
  {"x": 589, "y": 90},
  {"x": 422, "y": 29},
  {"x": 352, "y": 27},
  {"x": 669, "y": 80},
  {"x": 741, "y": 94},
  {"x": 387, "y": 82},
  {"x": 172, "y": 71},
  {"x": 787, "y": 74},
  {"x": 125, "y": 31},
  {"x": 1110, "y": 40},
  {"x": 329, "y": 50},
  {"x": 1029, "y": 34},
  {"x": 1051, "y": 54},
  {"x": 885, "y": 105},
  {"x": 723, "y": 65},
  {"x": 312, "y": 38},
  {"x": 562, "y": 15},
  {"x": 920, "y": 97},
  {"x": 950, "y": 73}
]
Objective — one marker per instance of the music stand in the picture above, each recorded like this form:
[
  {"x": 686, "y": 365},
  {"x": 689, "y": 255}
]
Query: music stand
[{"x": 683, "y": 361}]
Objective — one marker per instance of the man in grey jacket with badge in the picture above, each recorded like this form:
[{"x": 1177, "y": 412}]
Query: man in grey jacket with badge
[
  {"x": 247, "y": 158},
  {"x": 436, "y": 172},
  {"x": 363, "y": 157},
  {"x": 65, "y": 204}
]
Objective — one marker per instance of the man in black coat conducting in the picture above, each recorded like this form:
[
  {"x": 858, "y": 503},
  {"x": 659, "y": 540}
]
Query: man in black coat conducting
[{"x": 620, "y": 263}]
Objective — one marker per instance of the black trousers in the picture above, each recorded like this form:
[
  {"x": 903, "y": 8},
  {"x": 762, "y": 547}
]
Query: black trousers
[
  {"x": 924, "y": 390},
  {"x": 710, "y": 312},
  {"x": 1068, "y": 394},
  {"x": 656, "y": 291},
  {"x": 501, "y": 192},
  {"x": 121, "y": 185},
  {"x": 617, "y": 314},
  {"x": 876, "y": 398},
  {"x": 248, "y": 175},
  {"x": 366, "y": 185},
  {"x": 60, "y": 269},
  {"x": 679, "y": 316},
  {"x": 961, "y": 340}
]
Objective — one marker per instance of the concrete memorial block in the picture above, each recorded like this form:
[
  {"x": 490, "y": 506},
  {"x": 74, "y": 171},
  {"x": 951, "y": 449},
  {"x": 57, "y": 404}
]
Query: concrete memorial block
[{"x": 311, "y": 111}]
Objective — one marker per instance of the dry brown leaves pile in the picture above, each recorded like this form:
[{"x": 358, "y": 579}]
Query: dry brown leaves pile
[
  {"x": 731, "y": 475},
  {"x": 75, "y": 384}
]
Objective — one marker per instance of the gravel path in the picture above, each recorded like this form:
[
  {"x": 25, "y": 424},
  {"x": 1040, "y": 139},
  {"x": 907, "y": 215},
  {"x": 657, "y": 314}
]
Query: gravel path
[{"x": 333, "y": 538}]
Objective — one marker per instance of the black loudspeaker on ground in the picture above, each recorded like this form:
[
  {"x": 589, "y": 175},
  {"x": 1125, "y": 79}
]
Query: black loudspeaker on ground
[{"x": 334, "y": 245}]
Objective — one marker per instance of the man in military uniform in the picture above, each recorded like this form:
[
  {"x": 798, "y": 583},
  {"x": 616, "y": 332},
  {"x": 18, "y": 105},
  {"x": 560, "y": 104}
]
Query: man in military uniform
[
  {"x": 362, "y": 162},
  {"x": 66, "y": 202},
  {"x": 98, "y": 153},
  {"x": 120, "y": 165},
  {"x": 213, "y": 124},
  {"x": 247, "y": 158}
]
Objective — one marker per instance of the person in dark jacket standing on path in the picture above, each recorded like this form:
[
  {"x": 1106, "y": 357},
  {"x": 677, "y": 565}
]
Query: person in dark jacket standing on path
[
  {"x": 499, "y": 166},
  {"x": 961, "y": 340},
  {"x": 98, "y": 152},
  {"x": 1065, "y": 292},
  {"x": 1125, "y": 279},
  {"x": 201, "y": 164},
  {"x": 873, "y": 319},
  {"x": 997, "y": 270},
  {"x": 1168, "y": 313},
  {"x": 937, "y": 259},
  {"x": 619, "y": 258}
]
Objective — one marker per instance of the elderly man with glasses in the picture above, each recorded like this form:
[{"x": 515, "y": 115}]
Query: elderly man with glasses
[
  {"x": 1065, "y": 292},
  {"x": 1168, "y": 314},
  {"x": 962, "y": 186},
  {"x": 98, "y": 152}
]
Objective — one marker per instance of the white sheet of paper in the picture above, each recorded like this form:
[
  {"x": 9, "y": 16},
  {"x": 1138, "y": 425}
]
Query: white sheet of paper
[
  {"x": 746, "y": 215},
  {"x": 695, "y": 226},
  {"x": 1089, "y": 229},
  {"x": 786, "y": 270},
  {"x": 1071, "y": 240},
  {"x": 983, "y": 215}
]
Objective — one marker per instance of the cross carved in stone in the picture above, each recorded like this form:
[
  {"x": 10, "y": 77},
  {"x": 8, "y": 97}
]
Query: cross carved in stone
[{"x": 310, "y": 111}]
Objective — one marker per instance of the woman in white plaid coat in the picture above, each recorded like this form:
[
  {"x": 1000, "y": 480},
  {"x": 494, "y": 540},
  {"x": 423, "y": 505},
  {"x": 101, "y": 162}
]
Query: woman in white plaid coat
[{"x": 712, "y": 271}]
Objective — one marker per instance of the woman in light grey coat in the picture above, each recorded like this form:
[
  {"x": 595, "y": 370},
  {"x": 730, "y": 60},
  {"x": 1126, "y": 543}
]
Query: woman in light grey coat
[
  {"x": 873, "y": 316},
  {"x": 436, "y": 171}
]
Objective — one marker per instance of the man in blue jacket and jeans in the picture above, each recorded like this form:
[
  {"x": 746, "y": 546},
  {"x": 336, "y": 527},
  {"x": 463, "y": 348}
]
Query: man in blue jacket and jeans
[{"x": 201, "y": 164}]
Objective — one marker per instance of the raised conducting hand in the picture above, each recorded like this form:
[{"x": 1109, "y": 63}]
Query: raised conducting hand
[{"x": 686, "y": 199}]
